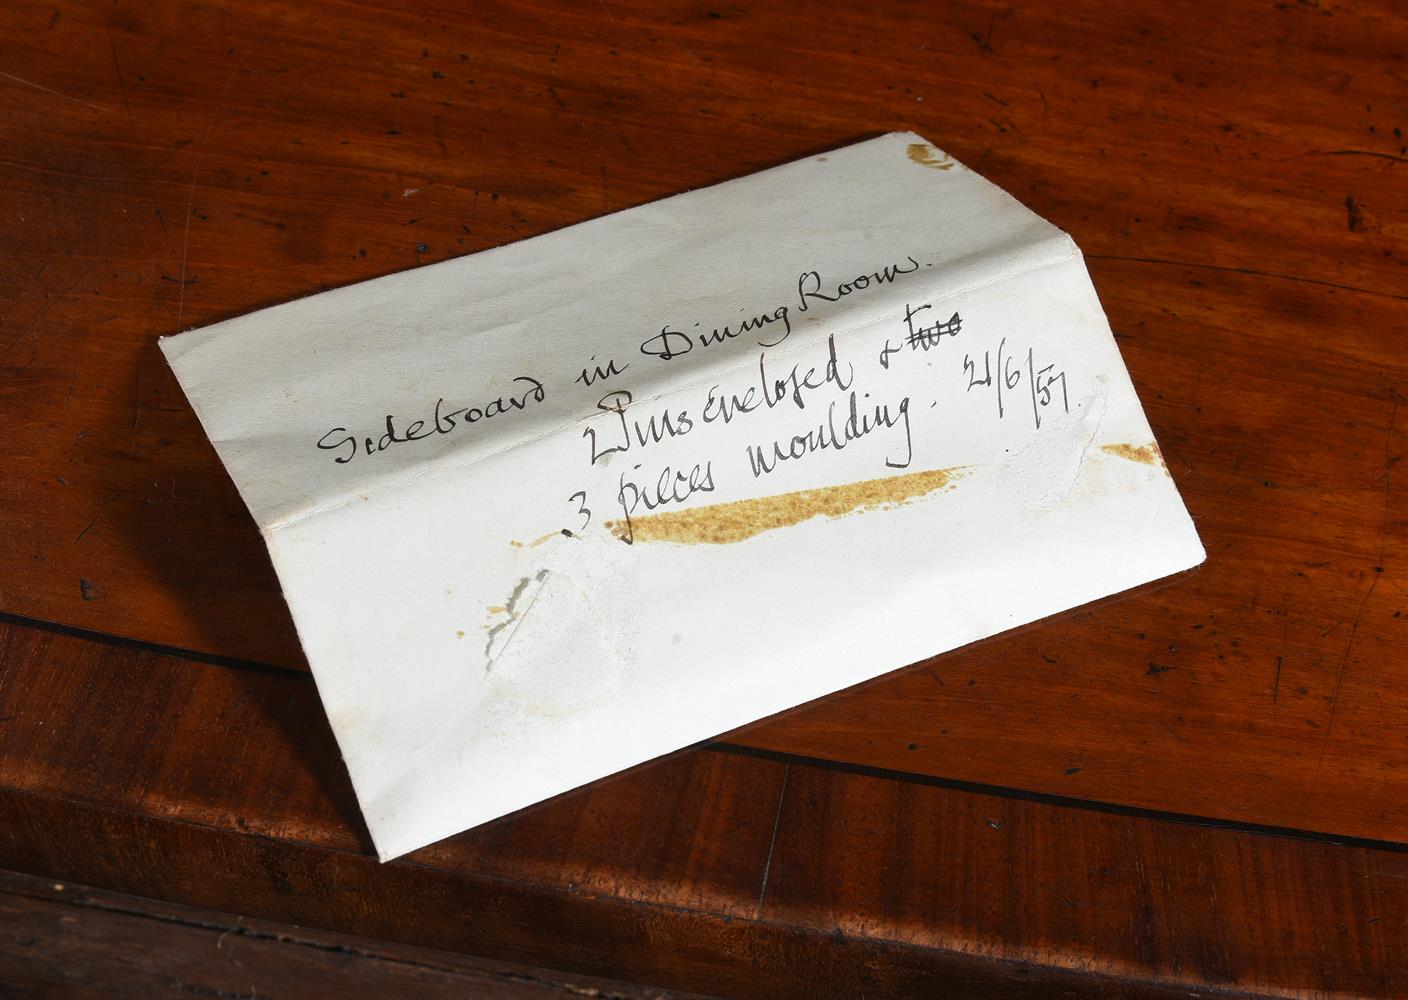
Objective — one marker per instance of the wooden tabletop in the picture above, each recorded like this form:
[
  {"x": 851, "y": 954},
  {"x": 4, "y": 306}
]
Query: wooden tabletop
[{"x": 1200, "y": 784}]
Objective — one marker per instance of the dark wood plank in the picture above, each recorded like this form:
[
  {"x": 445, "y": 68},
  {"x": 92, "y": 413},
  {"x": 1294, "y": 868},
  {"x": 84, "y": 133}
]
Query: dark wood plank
[
  {"x": 59, "y": 940},
  {"x": 1238, "y": 190},
  {"x": 706, "y": 871},
  {"x": 1190, "y": 906},
  {"x": 251, "y": 751}
]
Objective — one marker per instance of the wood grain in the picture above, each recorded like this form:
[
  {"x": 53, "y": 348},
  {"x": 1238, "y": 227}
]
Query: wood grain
[
  {"x": 711, "y": 871},
  {"x": 59, "y": 940},
  {"x": 1238, "y": 193},
  {"x": 1235, "y": 179}
]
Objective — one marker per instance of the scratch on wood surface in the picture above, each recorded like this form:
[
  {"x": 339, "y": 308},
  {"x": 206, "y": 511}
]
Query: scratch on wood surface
[
  {"x": 136, "y": 409},
  {"x": 1377, "y": 572},
  {"x": 772, "y": 844},
  {"x": 615, "y": 28},
  {"x": 191, "y": 199},
  {"x": 120, "y": 81},
  {"x": 1353, "y": 152},
  {"x": 1280, "y": 659},
  {"x": 1252, "y": 272},
  {"x": 68, "y": 290},
  {"x": 47, "y": 90}
]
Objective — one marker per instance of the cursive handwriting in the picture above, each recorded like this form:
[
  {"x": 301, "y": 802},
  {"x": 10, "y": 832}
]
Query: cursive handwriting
[
  {"x": 671, "y": 343},
  {"x": 442, "y": 421},
  {"x": 840, "y": 396},
  {"x": 827, "y": 436},
  {"x": 809, "y": 285},
  {"x": 672, "y": 486},
  {"x": 1041, "y": 382},
  {"x": 627, "y": 432}
]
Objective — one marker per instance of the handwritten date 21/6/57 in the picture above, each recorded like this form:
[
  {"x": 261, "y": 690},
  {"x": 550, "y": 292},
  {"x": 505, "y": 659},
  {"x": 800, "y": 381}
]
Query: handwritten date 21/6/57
[{"x": 1005, "y": 375}]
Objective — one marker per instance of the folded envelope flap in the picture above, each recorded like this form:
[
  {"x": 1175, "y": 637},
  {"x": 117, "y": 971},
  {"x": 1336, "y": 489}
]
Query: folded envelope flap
[{"x": 339, "y": 396}]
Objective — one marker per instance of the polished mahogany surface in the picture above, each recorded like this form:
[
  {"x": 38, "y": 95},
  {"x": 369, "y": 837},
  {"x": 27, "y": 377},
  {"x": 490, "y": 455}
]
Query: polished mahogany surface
[{"x": 1199, "y": 783}]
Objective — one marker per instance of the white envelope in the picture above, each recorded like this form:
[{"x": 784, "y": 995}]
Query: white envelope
[{"x": 551, "y": 510}]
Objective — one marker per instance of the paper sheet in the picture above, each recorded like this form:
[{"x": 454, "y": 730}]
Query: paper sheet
[{"x": 551, "y": 510}]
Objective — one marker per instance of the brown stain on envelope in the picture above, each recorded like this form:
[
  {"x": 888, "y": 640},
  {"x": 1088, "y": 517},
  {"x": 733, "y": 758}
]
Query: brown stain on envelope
[
  {"x": 923, "y": 154},
  {"x": 537, "y": 541},
  {"x": 722, "y": 523},
  {"x": 1144, "y": 454}
]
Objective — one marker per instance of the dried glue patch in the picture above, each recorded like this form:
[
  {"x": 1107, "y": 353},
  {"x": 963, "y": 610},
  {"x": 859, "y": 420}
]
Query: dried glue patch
[
  {"x": 927, "y": 156},
  {"x": 539, "y": 540},
  {"x": 720, "y": 524},
  {"x": 1145, "y": 454}
]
